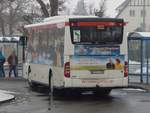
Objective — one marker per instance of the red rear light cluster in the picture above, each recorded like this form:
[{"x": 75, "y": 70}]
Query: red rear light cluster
[
  {"x": 67, "y": 69},
  {"x": 126, "y": 69}
]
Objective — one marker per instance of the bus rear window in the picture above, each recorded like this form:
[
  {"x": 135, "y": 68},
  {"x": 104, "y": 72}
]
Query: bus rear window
[{"x": 96, "y": 34}]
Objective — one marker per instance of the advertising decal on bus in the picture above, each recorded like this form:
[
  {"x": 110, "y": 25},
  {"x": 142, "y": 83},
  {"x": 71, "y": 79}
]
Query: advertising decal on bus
[
  {"x": 96, "y": 50},
  {"x": 96, "y": 64}
]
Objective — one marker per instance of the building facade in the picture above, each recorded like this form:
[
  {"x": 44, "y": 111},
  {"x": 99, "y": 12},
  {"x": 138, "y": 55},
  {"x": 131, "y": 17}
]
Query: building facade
[{"x": 136, "y": 14}]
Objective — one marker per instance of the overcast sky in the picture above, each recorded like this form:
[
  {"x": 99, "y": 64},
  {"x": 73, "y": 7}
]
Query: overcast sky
[{"x": 110, "y": 5}]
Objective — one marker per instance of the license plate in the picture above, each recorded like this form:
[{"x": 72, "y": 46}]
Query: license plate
[{"x": 97, "y": 72}]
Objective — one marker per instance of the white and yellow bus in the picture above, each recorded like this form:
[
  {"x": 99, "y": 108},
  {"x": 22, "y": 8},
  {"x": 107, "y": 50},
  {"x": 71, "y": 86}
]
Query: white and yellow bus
[{"x": 81, "y": 53}]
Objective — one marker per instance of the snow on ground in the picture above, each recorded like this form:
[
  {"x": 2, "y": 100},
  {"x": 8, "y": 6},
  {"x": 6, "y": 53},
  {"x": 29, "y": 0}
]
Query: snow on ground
[
  {"x": 134, "y": 62},
  {"x": 4, "y": 96},
  {"x": 133, "y": 89},
  {"x": 8, "y": 92},
  {"x": 138, "y": 71}
]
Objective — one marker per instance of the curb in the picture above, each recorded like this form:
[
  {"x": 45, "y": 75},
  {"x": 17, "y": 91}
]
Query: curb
[
  {"x": 13, "y": 79},
  {"x": 140, "y": 86}
]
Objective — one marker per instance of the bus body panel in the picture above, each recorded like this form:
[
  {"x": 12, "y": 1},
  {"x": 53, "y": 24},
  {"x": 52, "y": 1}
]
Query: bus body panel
[
  {"x": 107, "y": 82},
  {"x": 40, "y": 74},
  {"x": 78, "y": 78}
]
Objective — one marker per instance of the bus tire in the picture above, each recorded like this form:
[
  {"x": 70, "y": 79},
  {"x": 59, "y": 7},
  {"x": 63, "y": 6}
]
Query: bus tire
[
  {"x": 30, "y": 83},
  {"x": 102, "y": 92}
]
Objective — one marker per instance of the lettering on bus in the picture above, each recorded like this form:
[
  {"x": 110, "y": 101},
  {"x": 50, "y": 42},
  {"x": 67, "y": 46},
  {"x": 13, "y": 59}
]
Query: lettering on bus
[{"x": 97, "y": 81}]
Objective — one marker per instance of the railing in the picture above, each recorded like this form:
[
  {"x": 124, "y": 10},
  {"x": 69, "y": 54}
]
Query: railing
[{"x": 135, "y": 74}]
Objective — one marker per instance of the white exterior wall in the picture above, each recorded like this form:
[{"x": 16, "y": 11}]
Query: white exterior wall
[{"x": 133, "y": 22}]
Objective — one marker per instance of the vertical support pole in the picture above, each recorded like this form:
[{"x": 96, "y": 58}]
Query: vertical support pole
[
  {"x": 50, "y": 90},
  {"x": 147, "y": 56},
  {"x": 17, "y": 49},
  {"x": 23, "y": 53},
  {"x": 18, "y": 57},
  {"x": 23, "y": 57},
  {"x": 141, "y": 75},
  {"x": 128, "y": 58}
]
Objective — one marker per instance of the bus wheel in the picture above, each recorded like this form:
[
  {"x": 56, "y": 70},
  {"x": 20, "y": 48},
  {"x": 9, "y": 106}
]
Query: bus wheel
[
  {"x": 102, "y": 92},
  {"x": 59, "y": 93},
  {"x": 30, "y": 83}
]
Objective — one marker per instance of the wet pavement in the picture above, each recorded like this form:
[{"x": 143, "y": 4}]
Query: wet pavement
[{"x": 28, "y": 101}]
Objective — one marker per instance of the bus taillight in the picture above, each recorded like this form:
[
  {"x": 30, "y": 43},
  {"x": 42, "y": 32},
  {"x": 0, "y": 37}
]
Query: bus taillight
[
  {"x": 126, "y": 69},
  {"x": 67, "y": 69}
]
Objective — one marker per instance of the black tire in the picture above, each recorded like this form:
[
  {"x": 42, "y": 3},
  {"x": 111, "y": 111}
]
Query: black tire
[
  {"x": 58, "y": 93},
  {"x": 66, "y": 93},
  {"x": 102, "y": 92},
  {"x": 30, "y": 83}
]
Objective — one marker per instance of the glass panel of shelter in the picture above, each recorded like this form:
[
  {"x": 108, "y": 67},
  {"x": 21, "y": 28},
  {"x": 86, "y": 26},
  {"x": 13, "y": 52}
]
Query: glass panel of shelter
[
  {"x": 134, "y": 56},
  {"x": 148, "y": 60}
]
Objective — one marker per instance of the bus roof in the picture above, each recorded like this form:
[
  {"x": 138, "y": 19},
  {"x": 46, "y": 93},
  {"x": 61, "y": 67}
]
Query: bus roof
[
  {"x": 61, "y": 19},
  {"x": 57, "y": 19}
]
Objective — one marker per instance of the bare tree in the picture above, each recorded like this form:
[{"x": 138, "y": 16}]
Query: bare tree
[
  {"x": 11, "y": 12},
  {"x": 62, "y": 9},
  {"x": 102, "y": 7},
  {"x": 3, "y": 5},
  {"x": 91, "y": 11},
  {"x": 52, "y": 8},
  {"x": 15, "y": 13},
  {"x": 44, "y": 8},
  {"x": 81, "y": 8}
]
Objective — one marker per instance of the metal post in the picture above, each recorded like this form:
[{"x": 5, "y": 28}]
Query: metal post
[
  {"x": 17, "y": 49},
  {"x": 147, "y": 54},
  {"x": 18, "y": 58},
  {"x": 141, "y": 79},
  {"x": 23, "y": 53},
  {"x": 128, "y": 60},
  {"x": 50, "y": 90}
]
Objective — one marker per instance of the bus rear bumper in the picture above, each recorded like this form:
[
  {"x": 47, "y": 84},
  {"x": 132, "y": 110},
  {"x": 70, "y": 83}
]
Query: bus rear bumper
[{"x": 98, "y": 83}]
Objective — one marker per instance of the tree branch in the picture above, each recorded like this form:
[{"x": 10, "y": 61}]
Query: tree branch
[{"x": 43, "y": 8}]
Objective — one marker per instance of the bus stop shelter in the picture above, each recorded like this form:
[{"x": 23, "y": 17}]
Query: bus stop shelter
[
  {"x": 139, "y": 57},
  {"x": 14, "y": 43}
]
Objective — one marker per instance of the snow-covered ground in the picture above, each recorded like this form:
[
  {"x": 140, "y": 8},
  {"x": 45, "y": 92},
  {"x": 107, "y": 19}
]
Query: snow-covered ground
[
  {"x": 6, "y": 96},
  {"x": 135, "y": 67},
  {"x": 134, "y": 62}
]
